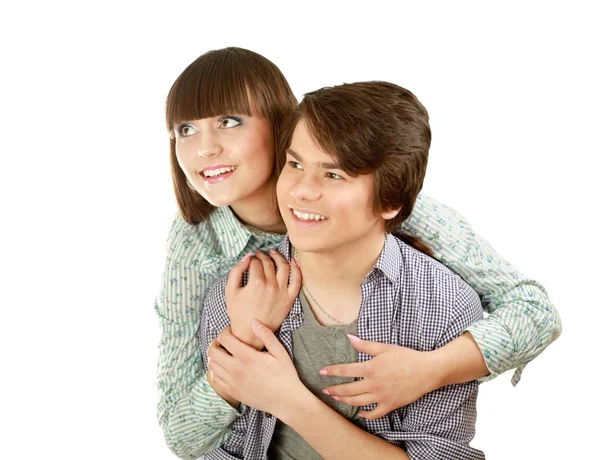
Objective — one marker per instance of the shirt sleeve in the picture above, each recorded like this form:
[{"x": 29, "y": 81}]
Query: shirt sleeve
[
  {"x": 522, "y": 321},
  {"x": 441, "y": 424},
  {"x": 194, "y": 418}
]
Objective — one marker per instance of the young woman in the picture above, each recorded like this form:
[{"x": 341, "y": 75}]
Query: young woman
[{"x": 223, "y": 114}]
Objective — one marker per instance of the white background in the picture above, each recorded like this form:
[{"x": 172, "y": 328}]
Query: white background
[{"x": 512, "y": 91}]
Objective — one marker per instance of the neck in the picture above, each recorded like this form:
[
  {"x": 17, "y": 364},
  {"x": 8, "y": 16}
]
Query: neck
[
  {"x": 260, "y": 210},
  {"x": 343, "y": 267}
]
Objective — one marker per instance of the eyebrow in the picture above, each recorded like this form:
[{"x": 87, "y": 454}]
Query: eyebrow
[{"x": 320, "y": 164}]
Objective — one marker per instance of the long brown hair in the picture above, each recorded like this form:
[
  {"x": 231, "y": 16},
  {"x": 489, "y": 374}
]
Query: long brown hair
[
  {"x": 374, "y": 128},
  {"x": 221, "y": 82}
]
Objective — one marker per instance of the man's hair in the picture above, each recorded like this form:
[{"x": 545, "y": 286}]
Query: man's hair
[
  {"x": 374, "y": 128},
  {"x": 222, "y": 82}
]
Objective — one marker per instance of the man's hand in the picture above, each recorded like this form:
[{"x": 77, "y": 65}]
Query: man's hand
[
  {"x": 266, "y": 297},
  {"x": 395, "y": 377},
  {"x": 267, "y": 381}
]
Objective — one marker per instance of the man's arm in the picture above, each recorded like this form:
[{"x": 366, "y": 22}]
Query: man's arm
[
  {"x": 193, "y": 417},
  {"x": 441, "y": 424},
  {"x": 522, "y": 321},
  {"x": 269, "y": 382}
]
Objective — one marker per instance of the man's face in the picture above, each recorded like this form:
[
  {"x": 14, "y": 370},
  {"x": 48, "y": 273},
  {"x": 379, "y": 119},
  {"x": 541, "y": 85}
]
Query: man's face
[{"x": 324, "y": 208}]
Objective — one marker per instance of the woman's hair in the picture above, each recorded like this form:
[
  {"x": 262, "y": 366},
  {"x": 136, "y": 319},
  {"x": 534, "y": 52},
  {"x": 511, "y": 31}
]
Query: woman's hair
[
  {"x": 222, "y": 82},
  {"x": 370, "y": 128}
]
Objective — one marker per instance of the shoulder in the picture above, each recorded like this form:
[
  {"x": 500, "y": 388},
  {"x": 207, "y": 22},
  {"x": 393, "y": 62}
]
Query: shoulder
[
  {"x": 434, "y": 293},
  {"x": 186, "y": 238}
]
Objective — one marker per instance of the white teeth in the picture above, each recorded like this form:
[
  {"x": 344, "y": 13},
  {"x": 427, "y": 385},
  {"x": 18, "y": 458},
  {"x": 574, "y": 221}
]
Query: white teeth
[
  {"x": 306, "y": 216},
  {"x": 218, "y": 172}
]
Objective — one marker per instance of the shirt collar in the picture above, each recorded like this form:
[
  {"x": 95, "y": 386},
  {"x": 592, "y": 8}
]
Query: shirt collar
[
  {"x": 389, "y": 261},
  {"x": 233, "y": 236}
]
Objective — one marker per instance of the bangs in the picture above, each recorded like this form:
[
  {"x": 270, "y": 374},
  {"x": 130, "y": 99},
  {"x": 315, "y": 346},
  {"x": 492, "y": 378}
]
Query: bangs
[{"x": 212, "y": 85}]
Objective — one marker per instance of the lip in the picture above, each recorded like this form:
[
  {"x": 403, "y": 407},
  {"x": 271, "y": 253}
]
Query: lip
[
  {"x": 220, "y": 178},
  {"x": 305, "y": 223}
]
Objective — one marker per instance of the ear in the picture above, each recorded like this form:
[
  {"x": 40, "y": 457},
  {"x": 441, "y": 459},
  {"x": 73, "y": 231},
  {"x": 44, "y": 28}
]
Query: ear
[{"x": 390, "y": 214}]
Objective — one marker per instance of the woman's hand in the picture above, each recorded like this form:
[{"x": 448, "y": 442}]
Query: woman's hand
[
  {"x": 267, "y": 381},
  {"x": 267, "y": 296},
  {"x": 395, "y": 377}
]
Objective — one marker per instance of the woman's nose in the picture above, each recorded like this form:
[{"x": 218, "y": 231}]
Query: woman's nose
[{"x": 209, "y": 146}]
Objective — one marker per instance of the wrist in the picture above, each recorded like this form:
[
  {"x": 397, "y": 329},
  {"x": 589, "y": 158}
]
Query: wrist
[
  {"x": 438, "y": 369},
  {"x": 300, "y": 403}
]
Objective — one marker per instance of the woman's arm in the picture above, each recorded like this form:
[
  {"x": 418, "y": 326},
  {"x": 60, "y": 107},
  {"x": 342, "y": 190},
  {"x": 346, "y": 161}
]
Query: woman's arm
[
  {"x": 522, "y": 321},
  {"x": 194, "y": 418}
]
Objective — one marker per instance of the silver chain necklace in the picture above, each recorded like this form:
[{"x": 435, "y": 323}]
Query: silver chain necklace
[{"x": 312, "y": 299}]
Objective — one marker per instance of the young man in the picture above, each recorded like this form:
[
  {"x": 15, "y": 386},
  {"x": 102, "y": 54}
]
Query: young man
[{"x": 354, "y": 167}]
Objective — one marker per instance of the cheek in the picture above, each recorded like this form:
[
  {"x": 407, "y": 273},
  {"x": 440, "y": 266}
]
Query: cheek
[
  {"x": 281, "y": 188},
  {"x": 182, "y": 154}
]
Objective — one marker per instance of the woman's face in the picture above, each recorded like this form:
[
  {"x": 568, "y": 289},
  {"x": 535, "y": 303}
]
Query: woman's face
[{"x": 228, "y": 158}]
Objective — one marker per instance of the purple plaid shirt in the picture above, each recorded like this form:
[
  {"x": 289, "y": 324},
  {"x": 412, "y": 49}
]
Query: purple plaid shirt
[{"x": 408, "y": 299}]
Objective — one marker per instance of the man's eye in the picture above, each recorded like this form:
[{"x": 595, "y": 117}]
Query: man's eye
[
  {"x": 185, "y": 130},
  {"x": 333, "y": 176},
  {"x": 229, "y": 122},
  {"x": 294, "y": 165}
]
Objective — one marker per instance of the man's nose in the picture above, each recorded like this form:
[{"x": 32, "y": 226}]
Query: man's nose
[{"x": 306, "y": 189}]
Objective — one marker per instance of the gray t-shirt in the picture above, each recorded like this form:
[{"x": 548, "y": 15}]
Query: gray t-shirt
[{"x": 314, "y": 347}]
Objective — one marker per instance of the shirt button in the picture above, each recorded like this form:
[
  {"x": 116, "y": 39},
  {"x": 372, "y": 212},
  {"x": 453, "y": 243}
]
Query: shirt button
[
  {"x": 344, "y": 411},
  {"x": 340, "y": 334},
  {"x": 296, "y": 317},
  {"x": 268, "y": 415},
  {"x": 341, "y": 357}
]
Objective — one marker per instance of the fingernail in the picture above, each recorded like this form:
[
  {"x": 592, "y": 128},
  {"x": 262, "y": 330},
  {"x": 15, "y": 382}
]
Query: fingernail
[
  {"x": 326, "y": 391},
  {"x": 272, "y": 251},
  {"x": 337, "y": 398},
  {"x": 353, "y": 338},
  {"x": 361, "y": 415},
  {"x": 323, "y": 372},
  {"x": 294, "y": 262},
  {"x": 246, "y": 256},
  {"x": 255, "y": 324}
]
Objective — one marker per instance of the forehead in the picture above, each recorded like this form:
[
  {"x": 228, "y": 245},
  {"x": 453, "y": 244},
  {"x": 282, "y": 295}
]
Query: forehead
[{"x": 304, "y": 144}]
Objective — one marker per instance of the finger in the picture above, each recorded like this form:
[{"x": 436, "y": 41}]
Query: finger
[
  {"x": 217, "y": 354},
  {"x": 271, "y": 342},
  {"x": 232, "y": 344},
  {"x": 216, "y": 368},
  {"x": 358, "y": 400},
  {"x": 283, "y": 268},
  {"x": 368, "y": 347},
  {"x": 268, "y": 266},
  {"x": 218, "y": 383},
  {"x": 348, "y": 389},
  {"x": 256, "y": 273},
  {"x": 376, "y": 413},
  {"x": 295, "y": 280},
  {"x": 345, "y": 370},
  {"x": 235, "y": 275}
]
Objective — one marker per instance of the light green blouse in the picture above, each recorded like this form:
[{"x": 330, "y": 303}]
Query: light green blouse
[{"x": 522, "y": 321}]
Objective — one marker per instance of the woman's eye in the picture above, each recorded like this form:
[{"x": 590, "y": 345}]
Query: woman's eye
[
  {"x": 185, "y": 130},
  {"x": 229, "y": 122},
  {"x": 333, "y": 176},
  {"x": 294, "y": 165}
]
